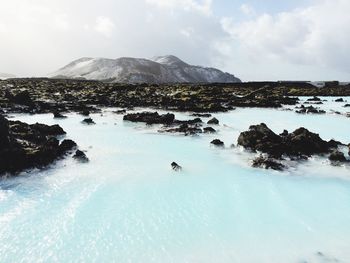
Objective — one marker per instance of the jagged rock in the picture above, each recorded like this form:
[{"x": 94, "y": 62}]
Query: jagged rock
[
  {"x": 314, "y": 99},
  {"x": 58, "y": 115},
  {"x": 175, "y": 166},
  {"x": 337, "y": 156},
  {"x": 25, "y": 146},
  {"x": 88, "y": 121},
  {"x": 184, "y": 128},
  {"x": 67, "y": 145},
  {"x": 203, "y": 115},
  {"x": 268, "y": 163},
  {"x": 209, "y": 130},
  {"x": 80, "y": 156},
  {"x": 150, "y": 118},
  {"x": 119, "y": 111},
  {"x": 213, "y": 121},
  {"x": 299, "y": 143},
  {"x": 309, "y": 109},
  {"x": 217, "y": 142}
]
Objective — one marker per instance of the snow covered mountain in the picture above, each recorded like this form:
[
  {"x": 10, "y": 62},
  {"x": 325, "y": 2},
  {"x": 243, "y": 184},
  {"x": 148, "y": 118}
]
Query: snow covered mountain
[
  {"x": 6, "y": 76},
  {"x": 164, "y": 69}
]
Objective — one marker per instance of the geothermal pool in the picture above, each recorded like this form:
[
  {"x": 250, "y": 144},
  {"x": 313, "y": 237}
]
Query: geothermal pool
[{"x": 128, "y": 205}]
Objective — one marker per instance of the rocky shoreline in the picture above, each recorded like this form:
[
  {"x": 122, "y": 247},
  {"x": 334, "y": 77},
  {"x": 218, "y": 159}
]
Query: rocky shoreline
[
  {"x": 42, "y": 95},
  {"x": 26, "y": 146}
]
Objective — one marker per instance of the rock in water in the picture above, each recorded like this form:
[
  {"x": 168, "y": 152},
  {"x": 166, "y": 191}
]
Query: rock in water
[
  {"x": 25, "y": 146},
  {"x": 88, "y": 121},
  {"x": 80, "y": 156},
  {"x": 267, "y": 163},
  {"x": 150, "y": 118},
  {"x": 217, "y": 142},
  {"x": 58, "y": 115},
  {"x": 175, "y": 166},
  {"x": 213, "y": 121},
  {"x": 337, "y": 156}
]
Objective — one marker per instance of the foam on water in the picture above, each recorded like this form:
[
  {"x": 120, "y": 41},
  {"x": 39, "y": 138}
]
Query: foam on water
[{"x": 127, "y": 205}]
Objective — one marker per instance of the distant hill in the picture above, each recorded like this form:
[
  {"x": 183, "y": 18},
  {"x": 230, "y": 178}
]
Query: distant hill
[
  {"x": 163, "y": 69},
  {"x": 6, "y": 76}
]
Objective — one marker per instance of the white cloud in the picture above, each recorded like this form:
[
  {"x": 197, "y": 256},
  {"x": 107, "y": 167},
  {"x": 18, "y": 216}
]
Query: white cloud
[
  {"x": 202, "y": 6},
  {"x": 105, "y": 26},
  {"x": 187, "y": 32},
  {"x": 316, "y": 35},
  {"x": 247, "y": 9}
]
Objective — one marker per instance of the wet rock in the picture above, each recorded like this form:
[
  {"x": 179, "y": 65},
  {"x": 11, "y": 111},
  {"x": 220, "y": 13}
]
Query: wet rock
[
  {"x": 80, "y": 156},
  {"x": 314, "y": 99},
  {"x": 346, "y": 105},
  {"x": 88, "y": 121},
  {"x": 209, "y": 130},
  {"x": 203, "y": 115},
  {"x": 268, "y": 163},
  {"x": 309, "y": 109},
  {"x": 299, "y": 143},
  {"x": 217, "y": 142},
  {"x": 25, "y": 146},
  {"x": 52, "y": 130},
  {"x": 4, "y": 132},
  {"x": 186, "y": 129},
  {"x": 337, "y": 156},
  {"x": 176, "y": 167},
  {"x": 339, "y": 100},
  {"x": 150, "y": 118},
  {"x": 119, "y": 111},
  {"x": 213, "y": 121},
  {"x": 67, "y": 145},
  {"x": 58, "y": 115}
]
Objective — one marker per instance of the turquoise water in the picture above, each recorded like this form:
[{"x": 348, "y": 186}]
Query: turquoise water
[{"x": 127, "y": 205}]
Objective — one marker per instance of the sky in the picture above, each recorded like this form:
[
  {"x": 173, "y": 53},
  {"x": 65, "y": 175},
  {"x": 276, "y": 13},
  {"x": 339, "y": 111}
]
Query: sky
[{"x": 252, "y": 39}]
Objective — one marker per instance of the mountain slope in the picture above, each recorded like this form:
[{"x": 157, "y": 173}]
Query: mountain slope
[{"x": 165, "y": 69}]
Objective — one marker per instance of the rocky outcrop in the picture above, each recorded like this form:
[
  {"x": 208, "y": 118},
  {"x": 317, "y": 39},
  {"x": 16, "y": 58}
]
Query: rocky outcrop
[
  {"x": 299, "y": 144},
  {"x": 309, "y": 109},
  {"x": 24, "y": 146},
  {"x": 150, "y": 118}
]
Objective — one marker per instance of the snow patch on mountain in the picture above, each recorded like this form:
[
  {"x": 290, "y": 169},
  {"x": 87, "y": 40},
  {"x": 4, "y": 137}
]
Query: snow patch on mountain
[{"x": 162, "y": 69}]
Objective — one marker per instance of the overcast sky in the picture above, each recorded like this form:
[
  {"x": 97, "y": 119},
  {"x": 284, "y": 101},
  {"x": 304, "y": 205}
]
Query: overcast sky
[{"x": 253, "y": 39}]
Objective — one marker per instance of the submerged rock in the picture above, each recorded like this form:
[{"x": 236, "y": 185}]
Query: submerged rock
[
  {"x": 217, "y": 142},
  {"x": 88, "y": 121},
  {"x": 268, "y": 163},
  {"x": 80, "y": 156},
  {"x": 176, "y": 167},
  {"x": 337, "y": 156}
]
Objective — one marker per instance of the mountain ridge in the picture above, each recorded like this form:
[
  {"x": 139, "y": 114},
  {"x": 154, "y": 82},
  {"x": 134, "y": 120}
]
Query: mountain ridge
[{"x": 161, "y": 69}]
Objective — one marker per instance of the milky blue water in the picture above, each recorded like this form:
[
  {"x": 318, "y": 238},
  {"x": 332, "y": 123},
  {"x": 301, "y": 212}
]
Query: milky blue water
[{"x": 127, "y": 205}]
